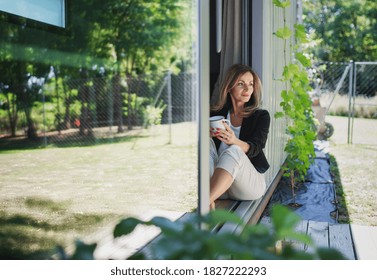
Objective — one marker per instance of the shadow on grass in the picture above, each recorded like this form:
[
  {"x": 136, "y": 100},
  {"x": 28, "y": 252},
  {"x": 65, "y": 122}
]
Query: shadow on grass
[
  {"x": 21, "y": 143},
  {"x": 24, "y": 237},
  {"x": 21, "y": 242},
  {"x": 343, "y": 215},
  {"x": 45, "y": 204}
]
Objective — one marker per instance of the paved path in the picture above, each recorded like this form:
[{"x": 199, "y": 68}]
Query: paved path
[{"x": 353, "y": 241}]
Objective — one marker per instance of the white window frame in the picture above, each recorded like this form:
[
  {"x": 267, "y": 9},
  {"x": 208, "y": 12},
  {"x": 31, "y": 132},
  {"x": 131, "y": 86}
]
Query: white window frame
[{"x": 52, "y": 12}]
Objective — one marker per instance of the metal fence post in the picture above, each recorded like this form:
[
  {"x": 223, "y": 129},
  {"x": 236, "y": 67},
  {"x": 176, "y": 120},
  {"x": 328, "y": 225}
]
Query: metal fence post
[
  {"x": 350, "y": 90},
  {"x": 44, "y": 118},
  {"x": 169, "y": 106},
  {"x": 110, "y": 102},
  {"x": 354, "y": 80}
]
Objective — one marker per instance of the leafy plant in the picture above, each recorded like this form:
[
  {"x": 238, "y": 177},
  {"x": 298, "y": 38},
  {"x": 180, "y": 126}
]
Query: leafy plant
[
  {"x": 189, "y": 241},
  {"x": 141, "y": 111},
  {"x": 152, "y": 115},
  {"x": 296, "y": 105}
]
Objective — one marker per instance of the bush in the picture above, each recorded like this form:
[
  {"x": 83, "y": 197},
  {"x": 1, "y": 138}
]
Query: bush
[{"x": 152, "y": 115}]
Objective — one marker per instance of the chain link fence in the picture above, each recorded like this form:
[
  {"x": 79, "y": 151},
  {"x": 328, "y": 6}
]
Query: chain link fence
[
  {"x": 347, "y": 89},
  {"x": 69, "y": 112}
]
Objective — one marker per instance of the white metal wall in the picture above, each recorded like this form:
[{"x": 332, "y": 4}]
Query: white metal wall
[{"x": 268, "y": 61}]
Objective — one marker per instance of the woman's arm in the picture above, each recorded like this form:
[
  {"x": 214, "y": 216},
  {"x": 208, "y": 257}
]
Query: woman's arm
[
  {"x": 243, "y": 145},
  {"x": 258, "y": 136}
]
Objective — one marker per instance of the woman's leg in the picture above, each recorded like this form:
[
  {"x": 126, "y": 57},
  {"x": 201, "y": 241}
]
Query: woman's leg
[
  {"x": 248, "y": 183},
  {"x": 220, "y": 182},
  {"x": 236, "y": 176},
  {"x": 220, "y": 178},
  {"x": 213, "y": 157}
]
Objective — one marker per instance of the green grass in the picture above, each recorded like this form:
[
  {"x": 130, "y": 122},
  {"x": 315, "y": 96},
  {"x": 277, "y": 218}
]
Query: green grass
[
  {"x": 53, "y": 196},
  {"x": 356, "y": 164},
  {"x": 54, "y": 140},
  {"x": 342, "y": 213},
  {"x": 29, "y": 237}
]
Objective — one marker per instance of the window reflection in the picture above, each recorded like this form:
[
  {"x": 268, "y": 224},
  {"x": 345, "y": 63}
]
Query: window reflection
[{"x": 99, "y": 122}]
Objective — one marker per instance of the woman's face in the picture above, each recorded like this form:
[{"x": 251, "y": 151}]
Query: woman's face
[{"x": 243, "y": 89}]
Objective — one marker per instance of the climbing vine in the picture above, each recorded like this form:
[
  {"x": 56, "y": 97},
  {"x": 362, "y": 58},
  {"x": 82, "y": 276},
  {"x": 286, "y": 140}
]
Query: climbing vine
[{"x": 296, "y": 103}]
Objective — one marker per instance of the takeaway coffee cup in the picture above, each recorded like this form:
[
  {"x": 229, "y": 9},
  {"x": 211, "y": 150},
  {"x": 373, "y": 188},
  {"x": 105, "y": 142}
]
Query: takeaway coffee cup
[{"x": 217, "y": 122}]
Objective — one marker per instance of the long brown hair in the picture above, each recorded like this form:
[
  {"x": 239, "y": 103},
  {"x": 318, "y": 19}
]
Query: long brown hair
[{"x": 230, "y": 80}]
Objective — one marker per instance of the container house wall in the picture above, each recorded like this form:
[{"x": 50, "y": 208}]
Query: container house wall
[
  {"x": 265, "y": 53},
  {"x": 268, "y": 60}
]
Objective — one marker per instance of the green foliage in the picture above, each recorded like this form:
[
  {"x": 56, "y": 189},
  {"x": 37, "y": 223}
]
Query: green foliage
[
  {"x": 303, "y": 59},
  {"x": 296, "y": 106},
  {"x": 141, "y": 108},
  {"x": 132, "y": 37},
  {"x": 152, "y": 115},
  {"x": 283, "y": 33},
  {"x": 342, "y": 30},
  {"x": 133, "y": 104},
  {"x": 187, "y": 241},
  {"x": 341, "y": 201},
  {"x": 142, "y": 33},
  {"x": 83, "y": 251},
  {"x": 300, "y": 33},
  {"x": 282, "y": 4}
]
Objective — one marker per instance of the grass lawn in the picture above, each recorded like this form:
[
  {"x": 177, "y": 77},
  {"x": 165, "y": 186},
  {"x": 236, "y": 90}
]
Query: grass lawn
[
  {"x": 357, "y": 164},
  {"x": 52, "y": 196}
]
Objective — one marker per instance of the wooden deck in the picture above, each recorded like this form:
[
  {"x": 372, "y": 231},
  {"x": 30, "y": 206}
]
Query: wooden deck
[{"x": 353, "y": 241}]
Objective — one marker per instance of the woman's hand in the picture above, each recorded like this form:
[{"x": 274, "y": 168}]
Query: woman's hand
[
  {"x": 213, "y": 132},
  {"x": 226, "y": 135}
]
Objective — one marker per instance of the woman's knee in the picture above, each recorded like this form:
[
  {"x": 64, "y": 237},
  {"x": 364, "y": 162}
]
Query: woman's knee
[{"x": 235, "y": 152}]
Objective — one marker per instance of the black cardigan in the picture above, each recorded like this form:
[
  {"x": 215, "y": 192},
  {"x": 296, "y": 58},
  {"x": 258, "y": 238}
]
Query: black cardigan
[{"x": 254, "y": 131}]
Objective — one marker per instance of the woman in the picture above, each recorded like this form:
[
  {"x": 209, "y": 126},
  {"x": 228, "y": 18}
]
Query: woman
[{"x": 237, "y": 158}]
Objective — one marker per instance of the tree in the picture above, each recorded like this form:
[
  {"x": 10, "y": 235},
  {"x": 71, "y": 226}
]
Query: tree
[
  {"x": 140, "y": 35},
  {"x": 130, "y": 38},
  {"x": 343, "y": 29}
]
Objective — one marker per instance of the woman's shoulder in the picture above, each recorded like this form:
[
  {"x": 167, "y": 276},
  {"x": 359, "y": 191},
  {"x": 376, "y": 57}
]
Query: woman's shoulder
[
  {"x": 260, "y": 116},
  {"x": 261, "y": 113}
]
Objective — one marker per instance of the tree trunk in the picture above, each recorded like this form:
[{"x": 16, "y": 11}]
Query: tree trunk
[
  {"x": 12, "y": 115},
  {"x": 67, "y": 104},
  {"x": 58, "y": 115},
  {"x": 31, "y": 130},
  {"x": 118, "y": 102},
  {"x": 292, "y": 176}
]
